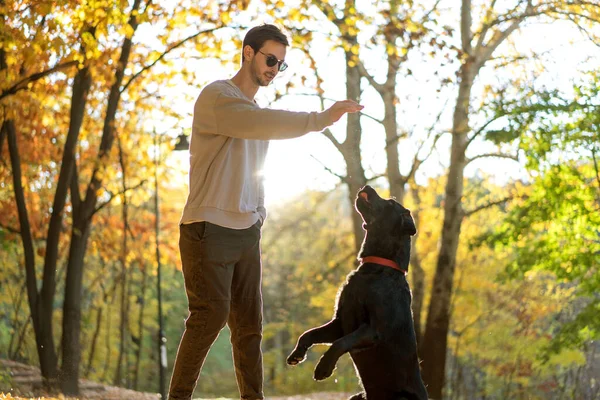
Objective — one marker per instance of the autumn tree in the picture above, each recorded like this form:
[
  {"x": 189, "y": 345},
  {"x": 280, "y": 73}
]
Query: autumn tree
[
  {"x": 98, "y": 39},
  {"x": 23, "y": 70},
  {"x": 483, "y": 28}
]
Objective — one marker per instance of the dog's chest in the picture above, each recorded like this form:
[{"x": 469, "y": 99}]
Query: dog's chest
[{"x": 374, "y": 292}]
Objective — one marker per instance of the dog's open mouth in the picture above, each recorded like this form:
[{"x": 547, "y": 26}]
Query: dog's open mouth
[
  {"x": 367, "y": 195},
  {"x": 363, "y": 201}
]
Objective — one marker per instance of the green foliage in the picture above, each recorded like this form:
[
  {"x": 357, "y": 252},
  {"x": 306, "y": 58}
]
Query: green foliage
[
  {"x": 578, "y": 332},
  {"x": 555, "y": 226}
]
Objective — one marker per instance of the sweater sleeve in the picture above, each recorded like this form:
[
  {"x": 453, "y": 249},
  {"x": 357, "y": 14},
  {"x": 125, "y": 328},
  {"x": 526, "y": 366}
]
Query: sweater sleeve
[{"x": 240, "y": 118}]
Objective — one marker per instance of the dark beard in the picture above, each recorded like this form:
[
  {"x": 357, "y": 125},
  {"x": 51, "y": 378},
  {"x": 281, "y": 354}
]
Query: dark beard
[
  {"x": 259, "y": 79},
  {"x": 261, "y": 82}
]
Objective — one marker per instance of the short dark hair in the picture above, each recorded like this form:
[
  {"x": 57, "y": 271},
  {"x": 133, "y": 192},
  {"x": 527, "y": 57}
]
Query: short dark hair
[{"x": 257, "y": 36}]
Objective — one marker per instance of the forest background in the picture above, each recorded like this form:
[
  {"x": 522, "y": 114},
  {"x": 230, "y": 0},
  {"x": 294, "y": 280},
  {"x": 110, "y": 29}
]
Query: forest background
[{"x": 482, "y": 117}]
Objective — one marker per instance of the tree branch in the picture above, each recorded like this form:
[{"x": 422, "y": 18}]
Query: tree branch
[
  {"x": 327, "y": 131},
  {"x": 466, "y": 21},
  {"x": 326, "y": 168},
  {"x": 431, "y": 11},
  {"x": 113, "y": 195},
  {"x": 375, "y": 177},
  {"x": 336, "y": 143},
  {"x": 328, "y": 10},
  {"x": 10, "y": 228},
  {"x": 364, "y": 73},
  {"x": 413, "y": 168},
  {"x": 483, "y": 127},
  {"x": 370, "y": 117},
  {"x": 164, "y": 54},
  {"x": 22, "y": 84},
  {"x": 571, "y": 14},
  {"x": 417, "y": 162},
  {"x": 497, "y": 155},
  {"x": 486, "y": 51},
  {"x": 148, "y": 4},
  {"x": 529, "y": 12},
  {"x": 584, "y": 31},
  {"x": 486, "y": 206},
  {"x": 75, "y": 194},
  {"x": 485, "y": 27}
]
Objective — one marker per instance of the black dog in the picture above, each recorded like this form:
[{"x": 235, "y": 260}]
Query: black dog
[{"x": 373, "y": 319}]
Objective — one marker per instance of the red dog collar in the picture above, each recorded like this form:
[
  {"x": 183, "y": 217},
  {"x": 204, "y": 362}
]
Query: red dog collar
[{"x": 383, "y": 261}]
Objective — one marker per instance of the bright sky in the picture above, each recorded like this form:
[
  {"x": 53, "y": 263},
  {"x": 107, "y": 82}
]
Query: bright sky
[{"x": 295, "y": 165}]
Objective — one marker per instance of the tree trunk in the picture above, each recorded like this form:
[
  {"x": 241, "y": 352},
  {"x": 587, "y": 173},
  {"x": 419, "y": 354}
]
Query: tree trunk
[
  {"x": 2, "y": 137},
  {"x": 128, "y": 354},
  {"x": 398, "y": 182},
  {"x": 140, "y": 338},
  {"x": 20, "y": 340},
  {"x": 82, "y": 218},
  {"x": 397, "y": 190},
  {"x": 71, "y": 346},
  {"x": 417, "y": 272},
  {"x": 42, "y": 304},
  {"x": 108, "y": 343},
  {"x": 123, "y": 345},
  {"x": 438, "y": 318},
  {"x": 434, "y": 345},
  {"x": 356, "y": 182},
  {"x": 351, "y": 148},
  {"x": 395, "y": 178},
  {"x": 42, "y": 321},
  {"x": 88, "y": 369},
  {"x": 17, "y": 302}
]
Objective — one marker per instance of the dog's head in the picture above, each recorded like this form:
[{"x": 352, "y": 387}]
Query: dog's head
[
  {"x": 389, "y": 227},
  {"x": 384, "y": 216}
]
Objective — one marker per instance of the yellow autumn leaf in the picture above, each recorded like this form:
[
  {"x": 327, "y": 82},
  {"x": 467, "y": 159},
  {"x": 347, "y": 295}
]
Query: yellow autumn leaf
[
  {"x": 129, "y": 31},
  {"x": 226, "y": 18}
]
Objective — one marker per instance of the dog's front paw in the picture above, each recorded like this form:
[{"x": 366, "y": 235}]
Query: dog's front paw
[
  {"x": 324, "y": 369},
  {"x": 297, "y": 356}
]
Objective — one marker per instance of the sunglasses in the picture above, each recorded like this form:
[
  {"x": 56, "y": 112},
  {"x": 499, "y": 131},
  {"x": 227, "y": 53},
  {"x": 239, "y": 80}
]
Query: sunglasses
[{"x": 272, "y": 61}]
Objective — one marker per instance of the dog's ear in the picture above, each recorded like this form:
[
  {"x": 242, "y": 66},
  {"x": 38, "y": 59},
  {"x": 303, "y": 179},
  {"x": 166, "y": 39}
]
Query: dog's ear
[{"x": 408, "y": 225}]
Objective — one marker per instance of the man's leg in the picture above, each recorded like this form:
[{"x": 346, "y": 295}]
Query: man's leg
[
  {"x": 208, "y": 260},
  {"x": 245, "y": 318}
]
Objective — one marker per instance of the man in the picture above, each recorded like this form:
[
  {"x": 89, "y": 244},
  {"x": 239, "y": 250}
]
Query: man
[{"x": 220, "y": 226}]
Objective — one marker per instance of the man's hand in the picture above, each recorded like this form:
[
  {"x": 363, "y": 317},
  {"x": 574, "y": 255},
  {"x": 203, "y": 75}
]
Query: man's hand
[{"x": 339, "y": 108}]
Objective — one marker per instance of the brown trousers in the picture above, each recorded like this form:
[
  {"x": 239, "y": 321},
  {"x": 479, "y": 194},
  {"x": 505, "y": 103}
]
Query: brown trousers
[{"x": 222, "y": 275}]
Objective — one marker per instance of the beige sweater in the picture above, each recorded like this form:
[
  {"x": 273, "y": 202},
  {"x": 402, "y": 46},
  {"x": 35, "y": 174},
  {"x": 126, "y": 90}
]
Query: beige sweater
[{"x": 230, "y": 138}]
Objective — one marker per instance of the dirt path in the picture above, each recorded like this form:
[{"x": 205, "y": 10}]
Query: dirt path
[{"x": 20, "y": 381}]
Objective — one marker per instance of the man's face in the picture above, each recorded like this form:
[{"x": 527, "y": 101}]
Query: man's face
[{"x": 262, "y": 74}]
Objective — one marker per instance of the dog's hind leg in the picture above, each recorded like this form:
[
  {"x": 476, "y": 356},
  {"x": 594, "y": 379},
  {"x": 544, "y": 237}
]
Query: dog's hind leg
[
  {"x": 325, "y": 334},
  {"x": 364, "y": 336}
]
